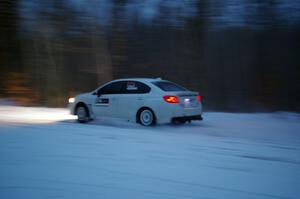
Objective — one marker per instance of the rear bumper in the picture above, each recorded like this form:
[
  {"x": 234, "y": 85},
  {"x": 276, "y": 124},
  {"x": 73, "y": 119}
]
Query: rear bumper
[
  {"x": 170, "y": 112},
  {"x": 187, "y": 118}
]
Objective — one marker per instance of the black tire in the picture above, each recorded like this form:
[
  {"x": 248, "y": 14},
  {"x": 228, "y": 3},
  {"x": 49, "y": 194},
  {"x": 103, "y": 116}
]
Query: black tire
[
  {"x": 82, "y": 113},
  {"x": 146, "y": 117}
]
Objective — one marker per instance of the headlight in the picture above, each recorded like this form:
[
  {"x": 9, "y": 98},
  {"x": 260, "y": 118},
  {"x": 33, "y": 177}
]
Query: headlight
[{"x": 71, "y": 100}]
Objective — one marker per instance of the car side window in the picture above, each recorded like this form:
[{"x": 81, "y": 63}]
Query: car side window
[
  {"x": 112, "y": 88},
  {"x": 134, "y": 87}
]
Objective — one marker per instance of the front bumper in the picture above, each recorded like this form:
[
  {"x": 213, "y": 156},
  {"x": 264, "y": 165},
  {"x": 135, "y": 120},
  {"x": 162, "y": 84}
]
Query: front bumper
[{"x": 71, "y": 107}]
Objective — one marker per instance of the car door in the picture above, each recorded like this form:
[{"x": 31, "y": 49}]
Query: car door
[
  {"x": 133, "y": 97},
  {"x": 106, "y": 103}
]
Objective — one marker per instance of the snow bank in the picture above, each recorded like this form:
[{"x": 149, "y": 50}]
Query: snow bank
[
  {"x": 46, "y": 154},
  {"x": 33, "y": 115}
]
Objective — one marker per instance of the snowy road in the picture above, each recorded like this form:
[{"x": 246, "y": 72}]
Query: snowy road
[{"x": 44, "y": 153}]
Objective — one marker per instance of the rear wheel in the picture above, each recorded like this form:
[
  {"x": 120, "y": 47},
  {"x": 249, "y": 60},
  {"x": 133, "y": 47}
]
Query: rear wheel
[
  {"x": 146, "y": 117},
  {"x": 82, "y": 114}
]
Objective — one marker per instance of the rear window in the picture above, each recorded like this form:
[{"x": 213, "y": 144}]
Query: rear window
[{"x": 168, "y": 86}]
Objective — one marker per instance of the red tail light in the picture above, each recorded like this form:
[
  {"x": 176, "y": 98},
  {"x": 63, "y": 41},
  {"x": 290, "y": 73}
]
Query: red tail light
[
  {"x": 171, "y": 99},
  {"x": 199, "y": 98}
]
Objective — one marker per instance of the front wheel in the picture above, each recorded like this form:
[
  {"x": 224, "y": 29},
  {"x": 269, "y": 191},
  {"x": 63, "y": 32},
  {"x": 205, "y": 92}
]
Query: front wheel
[
  {"x": 82, "y": 114},
  {"x": 146, "y": 117}
]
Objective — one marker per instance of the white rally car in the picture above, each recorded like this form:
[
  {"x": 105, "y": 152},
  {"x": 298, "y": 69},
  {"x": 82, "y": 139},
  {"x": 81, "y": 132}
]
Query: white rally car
[{"x": 144, "y": 100}]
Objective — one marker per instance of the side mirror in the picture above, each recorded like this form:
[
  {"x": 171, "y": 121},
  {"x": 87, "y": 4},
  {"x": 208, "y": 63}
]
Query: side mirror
[{"x": 96, "y": 93}]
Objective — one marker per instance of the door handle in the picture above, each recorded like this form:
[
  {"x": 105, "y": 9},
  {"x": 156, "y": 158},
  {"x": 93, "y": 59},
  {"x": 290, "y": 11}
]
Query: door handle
[{"x": 140, "y": 98}]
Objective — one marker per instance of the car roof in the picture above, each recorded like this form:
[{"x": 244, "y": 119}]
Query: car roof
[{"x": 138, "y": 79}]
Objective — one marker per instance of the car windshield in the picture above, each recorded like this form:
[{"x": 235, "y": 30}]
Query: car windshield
[{"x": 168, "y": 86}]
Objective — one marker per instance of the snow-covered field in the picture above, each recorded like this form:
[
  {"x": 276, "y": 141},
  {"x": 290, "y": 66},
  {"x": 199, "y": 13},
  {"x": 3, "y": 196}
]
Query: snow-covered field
[{"x": 44, "y": 153}]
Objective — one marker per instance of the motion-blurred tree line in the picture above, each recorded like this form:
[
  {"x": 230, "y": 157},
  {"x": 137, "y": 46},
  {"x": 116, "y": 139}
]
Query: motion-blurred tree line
[{"x": 241, "y": 55}]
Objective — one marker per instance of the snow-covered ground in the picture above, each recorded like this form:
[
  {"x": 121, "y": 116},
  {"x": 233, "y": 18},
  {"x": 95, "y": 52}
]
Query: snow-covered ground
[{"x": 44, "y": 153}]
